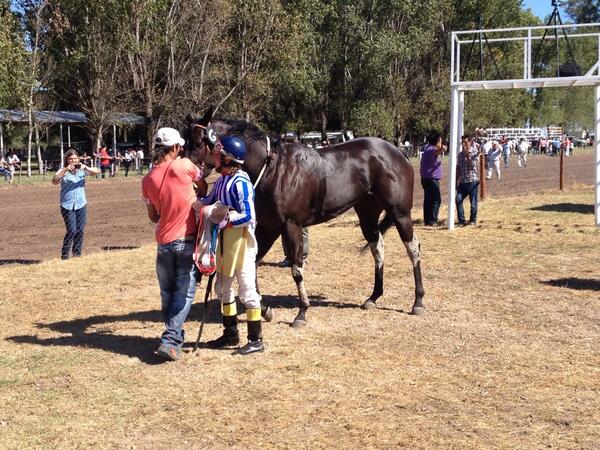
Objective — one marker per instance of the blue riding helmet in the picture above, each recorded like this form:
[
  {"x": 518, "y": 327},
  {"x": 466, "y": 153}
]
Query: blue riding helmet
[{"x": 234, "y": 147}]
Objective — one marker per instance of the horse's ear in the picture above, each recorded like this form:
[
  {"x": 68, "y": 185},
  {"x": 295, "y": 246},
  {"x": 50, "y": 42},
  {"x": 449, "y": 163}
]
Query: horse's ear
[{"x": 208, "y": 115}]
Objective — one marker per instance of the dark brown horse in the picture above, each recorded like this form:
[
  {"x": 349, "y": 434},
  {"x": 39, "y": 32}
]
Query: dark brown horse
[{"x": 301, "y": 186}]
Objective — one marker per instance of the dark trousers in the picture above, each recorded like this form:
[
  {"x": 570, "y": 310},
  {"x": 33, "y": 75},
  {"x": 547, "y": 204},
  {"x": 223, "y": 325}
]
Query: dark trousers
[
  {"x": 75, "y": 220},
  {"x": 470, "y": 189},
  {"x": 431, "y": 201},
  {"x": 285, "y": 244}
]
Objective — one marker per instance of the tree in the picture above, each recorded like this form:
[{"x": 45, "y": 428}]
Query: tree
[
  {"x": 13, "y": 70},
  {"x": 583, "y": 11},
  {"x": 86, "y": 41}
]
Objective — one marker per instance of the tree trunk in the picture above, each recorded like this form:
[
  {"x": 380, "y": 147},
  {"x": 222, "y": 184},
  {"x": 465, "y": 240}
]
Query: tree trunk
[
  {"x": 323, "y": 117},
  {"x": 39, "y": 151}
]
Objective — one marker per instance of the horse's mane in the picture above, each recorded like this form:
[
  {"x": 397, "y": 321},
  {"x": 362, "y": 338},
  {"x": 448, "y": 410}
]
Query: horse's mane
[{"x": 250, "y": 131}]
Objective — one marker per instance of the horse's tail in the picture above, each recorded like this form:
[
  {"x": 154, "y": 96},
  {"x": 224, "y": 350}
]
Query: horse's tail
[{"x": 384, "y": 225}]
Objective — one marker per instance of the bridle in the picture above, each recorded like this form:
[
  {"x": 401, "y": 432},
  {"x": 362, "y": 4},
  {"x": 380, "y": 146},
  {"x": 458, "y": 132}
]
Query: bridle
[{"x": 209, "y": 145}]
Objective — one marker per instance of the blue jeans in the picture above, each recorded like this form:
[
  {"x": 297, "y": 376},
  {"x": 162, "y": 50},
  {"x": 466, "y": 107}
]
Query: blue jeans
[
  {"x": 471, "y": 189},
  {"x": 176, "y": 273},
  {"x": 75, "y": 220}
]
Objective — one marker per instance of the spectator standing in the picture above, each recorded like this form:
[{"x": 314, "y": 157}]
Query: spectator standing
[
  {"x": 506, "y": 151},
  {"x": 105, "y": 160},
  {"x": 522, "y": 149},
  {"x": 140, "y": 160},
  {"x": 431, "y": 174},
  {"x": 73, "y": 204},
  {"x": 13, "y": 163},
  {"x": 128, "y": 159},
  {"x": 467, "y": 174},
  {"x": 169, "y": 195},
  {"x": 494, "y": 160}
]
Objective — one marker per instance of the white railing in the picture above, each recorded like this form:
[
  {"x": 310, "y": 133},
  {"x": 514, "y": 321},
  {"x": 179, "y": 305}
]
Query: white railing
[{"x": 528, "y": 36}]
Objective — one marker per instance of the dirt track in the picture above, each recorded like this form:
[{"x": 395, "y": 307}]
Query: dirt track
[{"x": 32, "y": 228}]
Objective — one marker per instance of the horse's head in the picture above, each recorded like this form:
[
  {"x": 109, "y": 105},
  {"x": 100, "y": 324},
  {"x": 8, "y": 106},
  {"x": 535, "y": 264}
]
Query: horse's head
[{"x": 201, "y": 136}]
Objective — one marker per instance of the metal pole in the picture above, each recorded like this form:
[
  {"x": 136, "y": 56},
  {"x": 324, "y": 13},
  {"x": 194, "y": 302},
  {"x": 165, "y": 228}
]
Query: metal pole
[
  {"x": 452, "y": 61},
  {"x": 62, "y": 148},
  {"x": 529, "y": 44},
  {"x": 454, "y": 105},
  {"x": 561, "y": 183},
  {"x": 69, "y": 135},
  {"x": 1, "y": 140},
  {"x": 597, "y": 145}
]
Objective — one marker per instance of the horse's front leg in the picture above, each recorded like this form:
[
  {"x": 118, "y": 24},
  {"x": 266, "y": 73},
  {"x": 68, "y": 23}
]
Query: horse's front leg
[{"x": 293, "y": 233}]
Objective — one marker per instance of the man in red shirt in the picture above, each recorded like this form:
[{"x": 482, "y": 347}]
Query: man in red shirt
[
  {"x": 104, "y": 161},
  {"x": 168, "y": 190}
]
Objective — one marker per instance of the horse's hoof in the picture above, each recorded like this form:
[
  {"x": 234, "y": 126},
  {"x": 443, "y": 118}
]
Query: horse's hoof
[
  {"x": 298, "y": 323},
  {"x": 267, "y": 313},
  {"x": 417, "y": 310},
  {"x": 369, "y": 304}
]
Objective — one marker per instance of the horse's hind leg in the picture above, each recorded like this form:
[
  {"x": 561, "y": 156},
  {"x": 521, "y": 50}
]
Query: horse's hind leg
[
  {"x": 368, "y": 215},
  {"x": 264, "y": 240},
  {"x": 413, "y": 248},
  {"x": 294, "y": 240}
]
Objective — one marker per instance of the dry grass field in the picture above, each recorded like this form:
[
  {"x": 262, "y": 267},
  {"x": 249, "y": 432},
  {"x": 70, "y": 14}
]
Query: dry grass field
[{"x": 506, "y": 356}]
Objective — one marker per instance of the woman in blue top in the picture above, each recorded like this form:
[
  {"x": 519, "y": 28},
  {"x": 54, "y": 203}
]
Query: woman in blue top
[{"x": 72, "y": 201}]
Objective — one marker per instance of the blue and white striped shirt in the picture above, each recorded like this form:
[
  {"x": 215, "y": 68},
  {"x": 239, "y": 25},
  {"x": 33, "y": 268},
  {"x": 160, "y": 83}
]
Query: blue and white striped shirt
[{"x": 237, "y": 192}]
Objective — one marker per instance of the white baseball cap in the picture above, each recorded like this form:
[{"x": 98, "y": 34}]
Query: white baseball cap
[{"x": 167, "y": 137}]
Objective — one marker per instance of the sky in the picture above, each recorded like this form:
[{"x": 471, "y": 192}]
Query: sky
[{"x": 541, "y": 8}]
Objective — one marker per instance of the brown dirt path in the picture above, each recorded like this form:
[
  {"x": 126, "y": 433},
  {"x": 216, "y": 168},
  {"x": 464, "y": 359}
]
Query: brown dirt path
[{"x": 32, "y": 228}]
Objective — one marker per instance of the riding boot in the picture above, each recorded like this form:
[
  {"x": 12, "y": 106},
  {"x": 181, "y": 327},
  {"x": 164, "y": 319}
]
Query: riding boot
[
  {"x": 255, "y": 342},
  {"x": 231, "y": 336}
]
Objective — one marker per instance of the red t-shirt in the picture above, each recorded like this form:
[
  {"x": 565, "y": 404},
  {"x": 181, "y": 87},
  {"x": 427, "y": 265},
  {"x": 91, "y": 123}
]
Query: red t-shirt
[
  {"x": 175, "y": 199},
  {"x": 104, "y": 157}
]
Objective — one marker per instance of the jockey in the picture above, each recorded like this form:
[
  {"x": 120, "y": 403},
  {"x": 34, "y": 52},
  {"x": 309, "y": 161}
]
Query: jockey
[{"x": 236, "y": 255}]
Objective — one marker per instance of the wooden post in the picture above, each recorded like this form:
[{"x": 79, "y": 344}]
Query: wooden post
[
  {"x": 482, "y": 175},
  {"x": 562, "y": 168}
]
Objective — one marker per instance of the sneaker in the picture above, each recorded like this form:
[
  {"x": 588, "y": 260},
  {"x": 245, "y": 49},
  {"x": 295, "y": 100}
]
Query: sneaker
[
  {"x": 168, "y": 353},
  {"x": 251, "y": 347},
  {"x": 228, "y": 339},
  {"x": 284, "y": 263}
]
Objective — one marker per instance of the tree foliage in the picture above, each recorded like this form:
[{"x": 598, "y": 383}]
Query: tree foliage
[{"x": 380, "y": 67}]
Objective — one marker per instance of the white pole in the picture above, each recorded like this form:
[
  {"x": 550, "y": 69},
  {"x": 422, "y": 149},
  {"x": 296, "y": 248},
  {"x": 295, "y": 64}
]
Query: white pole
[
  {"x": 62, "y": 148},
  {"x": 1, "y": 140},
  {"x": 461, "y": 114},
  {"x": 597, "y": 145},
  {"x": 69, "y": 135},
  {"x": 454, "y": 106}
]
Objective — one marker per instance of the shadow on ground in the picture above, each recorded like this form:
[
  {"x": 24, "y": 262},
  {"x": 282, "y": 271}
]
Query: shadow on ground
[
  {"x": 578, "y": 284},
  {"x": 566, "y": 207},
  {"x": 82, "y": 332},
  {"x": 20, "y": 262}
]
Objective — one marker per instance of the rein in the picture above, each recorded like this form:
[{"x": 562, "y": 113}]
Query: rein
[{"x": 264, "y": 167}]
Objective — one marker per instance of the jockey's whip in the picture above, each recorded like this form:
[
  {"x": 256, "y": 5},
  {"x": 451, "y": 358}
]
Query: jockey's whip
[{"x": 206, "y": 295}]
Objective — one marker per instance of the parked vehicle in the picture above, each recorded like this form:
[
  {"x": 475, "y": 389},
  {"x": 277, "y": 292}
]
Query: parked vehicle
[{"x": 314, "y": 138}]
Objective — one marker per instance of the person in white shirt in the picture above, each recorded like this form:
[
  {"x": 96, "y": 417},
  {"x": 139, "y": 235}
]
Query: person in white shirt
[
  {"x": 13, "y": 163},
  {"x": 493, "y": 157},
  {"x": 522, "y": 149},
  {"x": 140, "y": 160}
]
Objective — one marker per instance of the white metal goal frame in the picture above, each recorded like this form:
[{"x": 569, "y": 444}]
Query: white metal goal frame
[{"x": 527, "y": 36}]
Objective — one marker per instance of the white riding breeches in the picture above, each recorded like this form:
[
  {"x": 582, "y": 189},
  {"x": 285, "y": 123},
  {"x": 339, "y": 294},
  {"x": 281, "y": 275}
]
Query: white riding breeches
[{"x": 246, "y": 278}]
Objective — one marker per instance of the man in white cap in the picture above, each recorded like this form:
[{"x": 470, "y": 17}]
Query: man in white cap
[{"x": 169, "y": 194}]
